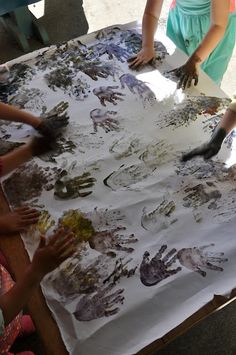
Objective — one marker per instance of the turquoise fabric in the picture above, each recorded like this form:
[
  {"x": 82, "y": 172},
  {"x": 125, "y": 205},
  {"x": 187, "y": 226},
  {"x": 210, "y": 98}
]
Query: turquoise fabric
[
  {"x": 187, "y": 24},
  {"x": 11, "y": 5}
]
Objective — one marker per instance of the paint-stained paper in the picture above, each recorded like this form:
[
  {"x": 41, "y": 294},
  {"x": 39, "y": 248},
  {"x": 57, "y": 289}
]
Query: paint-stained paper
[{"x": 155, "y": 236}]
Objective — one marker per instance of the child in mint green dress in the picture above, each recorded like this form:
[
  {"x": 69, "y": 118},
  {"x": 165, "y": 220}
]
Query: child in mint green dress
[{"x": 203, "y": 29}]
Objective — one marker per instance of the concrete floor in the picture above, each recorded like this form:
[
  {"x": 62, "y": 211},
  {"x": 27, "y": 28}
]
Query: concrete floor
[{"x": 68, "y": 19}]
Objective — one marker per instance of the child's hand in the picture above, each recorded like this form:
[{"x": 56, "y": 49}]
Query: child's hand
[
  {"x": 209, "y": 149},
  {"x": 143, "y": 57},
  {"x": 40, "y": 145},
  {"x": 49, "y": 256}
]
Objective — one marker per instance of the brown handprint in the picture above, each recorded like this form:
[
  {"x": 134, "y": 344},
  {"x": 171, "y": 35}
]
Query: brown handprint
[
  {"x": 104, "y": 119},
  {"x": 106, "y": 93},
  {"x": 155, "y": 270},
  {"x": 100, "y": 305},
  {"x": 108, "y": 240},
  {"x": 196, "y": 258}
]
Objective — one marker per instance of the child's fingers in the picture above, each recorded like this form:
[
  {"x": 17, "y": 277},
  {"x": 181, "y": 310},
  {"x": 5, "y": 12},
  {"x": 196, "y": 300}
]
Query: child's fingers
[
  {"x": 59, "y": 233},
  {"x": 30, "y": 215},
  {"x": 66, "y": 246},
  {"x": 24, "y": 209},
  {"x": 68, "y": 253},
  {"x": 29, "y": 221},
  {"x": 131, "y": 59},
  {"x": 62, "y": 241}
]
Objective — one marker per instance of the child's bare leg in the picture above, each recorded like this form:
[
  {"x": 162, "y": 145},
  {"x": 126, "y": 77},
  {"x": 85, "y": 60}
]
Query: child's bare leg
[{"x": 18, "y": 220}]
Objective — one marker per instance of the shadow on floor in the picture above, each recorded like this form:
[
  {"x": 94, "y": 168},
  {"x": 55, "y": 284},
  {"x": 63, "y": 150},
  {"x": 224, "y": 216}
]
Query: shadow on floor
[{"x": 63, "y": 20}]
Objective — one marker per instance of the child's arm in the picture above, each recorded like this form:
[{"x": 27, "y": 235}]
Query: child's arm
[
  {"x": 219, "y": 19},
  {"x": 46, "y": 259},
  {"x": 211, "y": 148},
  {"x": 21, "y": 155},
  {"x": 149, "y": 26},
  {"x": 10, "y": 113}
]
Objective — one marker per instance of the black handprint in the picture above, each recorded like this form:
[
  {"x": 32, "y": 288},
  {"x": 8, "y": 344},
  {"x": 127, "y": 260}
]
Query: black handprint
[{"x": 155, "y": 270}]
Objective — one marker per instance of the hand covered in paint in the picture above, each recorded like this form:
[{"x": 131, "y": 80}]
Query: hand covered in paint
[
  {"x": 186, "y": 74},
  {"x": 40, "y": 145},
  {"x": 50, "y": 127},
  {"x": 108, "y": 93},
  {"x": 157, "y": 269},
  {"x": 104, "y": 119},
  {"x": 208, "y": 150},
  {"x": 49, "y": 256},
  {"x": 100, "y": 305},
  {"x": 143, "y": 57},
  {"x": 196, "y": 258},
  {"x": 53, "y": 121}
]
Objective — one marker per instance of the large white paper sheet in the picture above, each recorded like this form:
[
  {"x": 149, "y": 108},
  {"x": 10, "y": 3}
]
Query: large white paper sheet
[{"x": 155, "y": 236}]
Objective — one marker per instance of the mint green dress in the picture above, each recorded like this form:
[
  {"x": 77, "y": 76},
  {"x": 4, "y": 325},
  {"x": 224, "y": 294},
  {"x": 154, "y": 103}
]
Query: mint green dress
[{"x": 189, "y": 21}]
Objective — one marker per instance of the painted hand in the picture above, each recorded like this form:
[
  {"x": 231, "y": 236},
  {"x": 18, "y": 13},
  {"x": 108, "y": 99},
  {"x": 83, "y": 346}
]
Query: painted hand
[
  {"x": 186, "y": 74},
  {"x": 143, "y": 57},
  {"x": 53, "y": 121},
  {"x": 208, "y": 150},
  {"x": 157, "y": 269}
]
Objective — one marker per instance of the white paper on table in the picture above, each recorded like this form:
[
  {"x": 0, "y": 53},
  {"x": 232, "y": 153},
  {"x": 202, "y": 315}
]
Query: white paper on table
[{"x": 156, "y": 197}]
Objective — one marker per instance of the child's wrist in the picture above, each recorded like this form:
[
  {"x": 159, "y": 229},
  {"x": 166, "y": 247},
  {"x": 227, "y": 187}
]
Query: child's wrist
[
  {"x": 34, "y": 121},
  {"x": 195, "y": 59},
  {"x": 33, "y": 275}
]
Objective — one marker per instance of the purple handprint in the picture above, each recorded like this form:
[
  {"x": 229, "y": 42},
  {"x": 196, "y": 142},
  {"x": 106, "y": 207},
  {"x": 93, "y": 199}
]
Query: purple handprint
[
  {"x": 112, "y": 50},
  {"x": 104, "y": 119},
  {"x": 155, "y": 270},
  {"x": 106, "y": 93},
  {"x": 137, "y": 87}
]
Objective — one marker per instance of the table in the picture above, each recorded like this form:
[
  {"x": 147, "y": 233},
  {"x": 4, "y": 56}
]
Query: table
[{"x": 206, "y": 86}]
